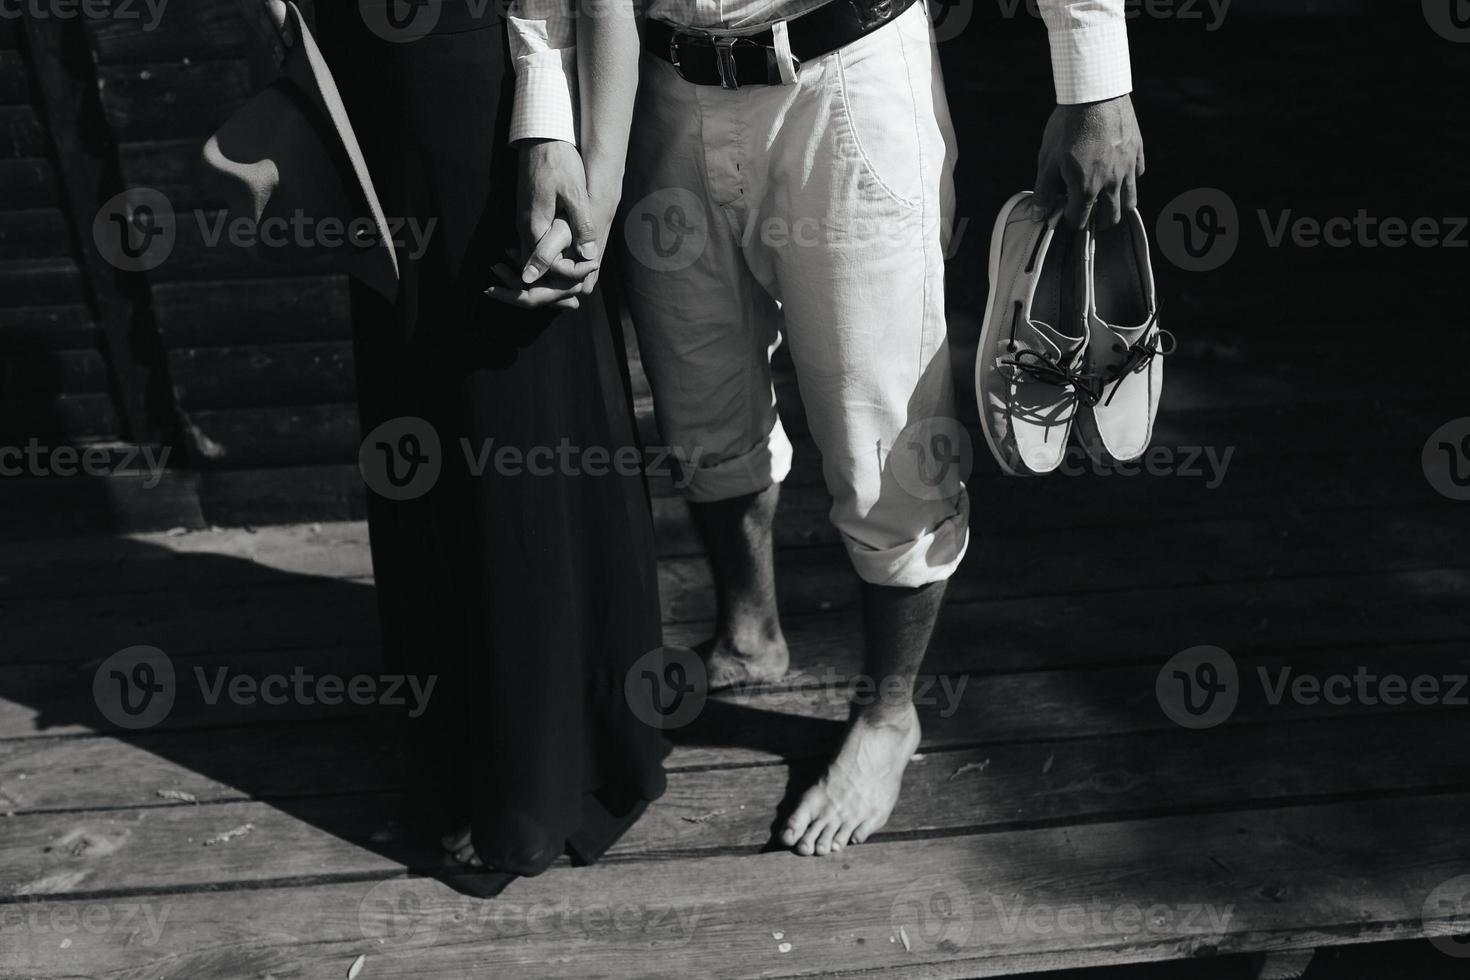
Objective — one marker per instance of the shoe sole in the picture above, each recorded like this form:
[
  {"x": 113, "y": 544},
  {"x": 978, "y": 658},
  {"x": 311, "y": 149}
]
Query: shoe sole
[{"x": 987, "y": 329}]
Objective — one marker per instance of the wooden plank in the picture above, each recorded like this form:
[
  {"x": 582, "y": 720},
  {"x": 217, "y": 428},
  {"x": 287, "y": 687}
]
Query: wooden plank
[
  {"x": 225, "y": 313},
  {"x": 338, "y": 549},
  {"x": 1115, "y": 772},
  {"x": 801, "y": 719},
  {"x": 68, "y": 372},
  {"x": 43, "y": 328},
  {"x": 38, "y": 233},
  {"x": 71, "y": 101},
  {"x": 207, "y": 29},
  {"x": 40, "y": 282},
  {"x": 15, "y": 86},
  {"x": 61, "y": 419},
  {"x": 1311, "y": 875},
  {"x": 32, "y": 507},
  {"x": 257, "y": 437},
  {"x": 810, "y": 580},
  {"x": 1410, "y": 605},
  {"x": 230, "y": 377},
  {"x": 733, "y": 810},
  {"x": 27, "y": 183},
  {"x": 172, "y": 99},
  {"x": 21, "y": 133},
  {"x": 293, "y": 493}
]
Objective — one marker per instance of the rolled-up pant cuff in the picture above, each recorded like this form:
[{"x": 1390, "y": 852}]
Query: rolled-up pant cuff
[
  {"x": 739, "y": 476},
  {"x": 932, "y": 557}
]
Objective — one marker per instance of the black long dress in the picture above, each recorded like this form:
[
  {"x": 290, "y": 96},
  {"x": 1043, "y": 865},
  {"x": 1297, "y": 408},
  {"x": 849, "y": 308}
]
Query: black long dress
[{"x": 529, "y": 597}]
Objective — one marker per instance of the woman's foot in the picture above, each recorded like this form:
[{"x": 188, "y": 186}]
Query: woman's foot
[
  {"x": 757, "y": 657},
  {"x": 856, "y": 795},
  {"x": 459, "y": 846}
]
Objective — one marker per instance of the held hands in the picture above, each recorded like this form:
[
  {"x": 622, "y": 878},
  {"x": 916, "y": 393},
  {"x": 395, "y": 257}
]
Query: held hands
[
  {"x": 561, "y": 231},
  {"x": 1091, "y": 159}
]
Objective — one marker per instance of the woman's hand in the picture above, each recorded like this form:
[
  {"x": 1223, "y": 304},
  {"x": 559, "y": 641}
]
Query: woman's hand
[{"x": 561, "y": 286}]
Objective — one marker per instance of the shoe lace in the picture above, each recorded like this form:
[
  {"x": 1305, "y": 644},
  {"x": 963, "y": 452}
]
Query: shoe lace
[
  {"x": 1140, "y": 354},
  {"x": 1047, "y": 370}
]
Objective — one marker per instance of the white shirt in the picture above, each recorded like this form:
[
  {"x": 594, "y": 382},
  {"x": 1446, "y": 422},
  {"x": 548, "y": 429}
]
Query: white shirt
[{"x": 1089, "y": 51}]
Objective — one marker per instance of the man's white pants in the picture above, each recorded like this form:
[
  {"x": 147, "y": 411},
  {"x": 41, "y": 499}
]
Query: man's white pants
[{"x": 818, "y": 211}]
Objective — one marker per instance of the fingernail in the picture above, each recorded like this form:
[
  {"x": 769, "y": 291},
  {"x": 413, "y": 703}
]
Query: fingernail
[
  {"x": 531, "y": 274},
  {"x": 589, "y": 250}
]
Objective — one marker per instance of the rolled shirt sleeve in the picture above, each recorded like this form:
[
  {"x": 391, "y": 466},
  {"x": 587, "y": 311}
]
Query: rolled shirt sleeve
[
  {"x": 543, "y": 48},
  {"x": 1089, "y": 49}
]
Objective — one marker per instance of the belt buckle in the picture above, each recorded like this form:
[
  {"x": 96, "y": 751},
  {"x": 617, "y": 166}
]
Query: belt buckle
[{"x": 725, "y": 60}]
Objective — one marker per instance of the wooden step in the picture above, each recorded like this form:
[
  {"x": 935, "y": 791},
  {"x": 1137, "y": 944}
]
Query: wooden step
[
  {"x": 27, "y": 329},
  {"x": 40, "y": 282},
  {"x": 262, "y": 375},
  {"x": 15, "y": 86},
  {"x": 58, "y": 420},
  {"x": 27, "y": 183},
  {"x": 37, "y": 233},
  {"x": 722, "y": 810},
  {"x": 1139, "y": 890},
  {"x": 224, "y": 313},
  {"x": 52, "y": 373},
  {"x": 171, "y": 99},
  {"x": 21, "y": 134}
]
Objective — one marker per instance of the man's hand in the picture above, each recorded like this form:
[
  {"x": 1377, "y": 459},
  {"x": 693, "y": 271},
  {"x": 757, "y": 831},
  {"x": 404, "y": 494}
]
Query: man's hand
[
  {"x": 1091, "y": 158},
  {"x": 553, "y": 184}
]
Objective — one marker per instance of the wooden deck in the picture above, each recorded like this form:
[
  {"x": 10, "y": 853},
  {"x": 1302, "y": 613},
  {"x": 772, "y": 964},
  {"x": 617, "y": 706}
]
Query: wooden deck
[{"x": 1055, "y": 816}]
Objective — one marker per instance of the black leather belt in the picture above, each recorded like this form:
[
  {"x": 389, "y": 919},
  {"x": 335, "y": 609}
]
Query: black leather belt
[{"x": 731, "y": 60}]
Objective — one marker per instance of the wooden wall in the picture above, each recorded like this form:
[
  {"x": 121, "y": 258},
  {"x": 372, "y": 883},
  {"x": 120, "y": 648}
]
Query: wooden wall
[{"x": 258, "y": 354}]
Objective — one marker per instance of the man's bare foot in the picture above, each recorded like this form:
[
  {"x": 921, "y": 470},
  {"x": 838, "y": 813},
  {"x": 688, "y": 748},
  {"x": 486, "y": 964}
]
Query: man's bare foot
[
  {"x": 854, "y": 798},
  {"x": 459, "y": 846},
  {"x": 759, "y": 659}
]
